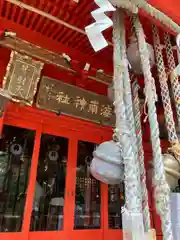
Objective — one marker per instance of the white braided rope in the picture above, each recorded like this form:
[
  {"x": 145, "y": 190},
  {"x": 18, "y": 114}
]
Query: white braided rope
[
  {"x": 134, "y": 5},
  {"x": 137, "y": 115},
  {"x": 128, "y": 99},
  {"x": 158, "y": 15},
  {"x": 131, "y": 166},
  {"x": 168, "y": 113},
  {"x": 129, "y": 5},
  {"x": 162, "y": 191},
  {"x": 174, "y": 79}
]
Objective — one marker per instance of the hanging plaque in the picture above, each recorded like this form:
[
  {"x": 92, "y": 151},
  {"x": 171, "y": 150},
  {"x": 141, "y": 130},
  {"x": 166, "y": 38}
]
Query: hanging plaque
[
  {"x": 22, "y": 77},
  {"x": 59, "y": 97}
]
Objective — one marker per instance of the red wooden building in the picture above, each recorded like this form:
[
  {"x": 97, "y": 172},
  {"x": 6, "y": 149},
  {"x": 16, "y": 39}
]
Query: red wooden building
[{"x": 32, "y": 203}]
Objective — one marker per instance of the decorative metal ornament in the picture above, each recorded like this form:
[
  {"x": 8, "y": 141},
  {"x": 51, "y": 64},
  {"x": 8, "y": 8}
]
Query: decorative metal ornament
[
  {"x": 134, "y": 56},
  {"x": 107, "y": 164},
  {"x": 88, "y": 160},
  {"x": 53, "y": 155},
  {"x": 16, "y": 149}
]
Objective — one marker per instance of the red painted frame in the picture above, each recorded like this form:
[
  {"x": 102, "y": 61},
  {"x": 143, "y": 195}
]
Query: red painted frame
[{"x": 74, "y": 130}]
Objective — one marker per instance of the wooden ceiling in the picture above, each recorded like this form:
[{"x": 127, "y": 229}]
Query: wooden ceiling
[{"x": 61, "y": 29}]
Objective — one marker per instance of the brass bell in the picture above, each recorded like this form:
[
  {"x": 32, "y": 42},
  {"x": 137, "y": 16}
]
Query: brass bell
[
  {"x": 172, "y": 170},
  {"x": 107, "y": 164},
  {"x": 134, "y": 58}
]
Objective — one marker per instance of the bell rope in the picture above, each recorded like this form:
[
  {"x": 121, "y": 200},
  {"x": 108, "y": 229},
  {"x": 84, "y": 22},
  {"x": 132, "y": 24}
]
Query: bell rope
[
  {"x": 161, "y": 188},
  {"x": 131, "y": 166},
  {"x": 137, "y": 116}
]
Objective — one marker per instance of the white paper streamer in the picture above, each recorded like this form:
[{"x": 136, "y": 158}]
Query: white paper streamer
[{"x": 94, "y": 30}]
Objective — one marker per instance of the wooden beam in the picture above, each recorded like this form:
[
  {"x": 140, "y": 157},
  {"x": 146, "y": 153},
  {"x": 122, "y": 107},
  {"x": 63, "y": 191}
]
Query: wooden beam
[
  {"x": 47, "y": 56},
  {"x": 54, "y": 46}
]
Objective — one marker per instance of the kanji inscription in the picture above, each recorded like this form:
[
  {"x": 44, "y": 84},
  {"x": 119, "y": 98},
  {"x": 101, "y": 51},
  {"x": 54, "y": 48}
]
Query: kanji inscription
[
  {"x": 22, "y": 77},
  {"x": 57, "y": 96}
]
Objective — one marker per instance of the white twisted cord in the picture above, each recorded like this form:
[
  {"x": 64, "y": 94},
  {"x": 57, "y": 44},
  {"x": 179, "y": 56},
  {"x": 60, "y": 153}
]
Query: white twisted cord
[
  {"x": 102, "y": 22},
  {"x": 132, "y": 127},
  {"x": 168, "y": 113},
  {"x": 129, "y": 5},
  {"x": 131, "y": 166},
  {"x": 174, "y": 79},
  {"x": 158, "y": 15},
  {"x": 137, "y": 115},
  {"x": 162, "y": 191},
  {"x": 128, "y": 98},
  {"x": 134, "y": 5}
]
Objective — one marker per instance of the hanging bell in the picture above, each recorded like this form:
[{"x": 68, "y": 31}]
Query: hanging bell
[
  {"x": 134, "y": 58},
  {"x": 172, "y": 170},
  {"x": 107, "y": 164}
]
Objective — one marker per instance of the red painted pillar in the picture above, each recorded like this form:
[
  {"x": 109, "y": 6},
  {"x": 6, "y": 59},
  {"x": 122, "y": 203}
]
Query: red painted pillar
[{"x": 4, "y": 59}]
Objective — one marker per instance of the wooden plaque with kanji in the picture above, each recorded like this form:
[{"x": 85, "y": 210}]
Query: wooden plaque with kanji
[
  {"x": 22, "y": 76},
  {"x": 57, "y": 96}
]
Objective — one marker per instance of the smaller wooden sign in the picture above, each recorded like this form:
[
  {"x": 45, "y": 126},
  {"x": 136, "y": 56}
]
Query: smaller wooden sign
[
  {"x": 22, "y": 76},
  {"x": 54, "y": 95}
]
